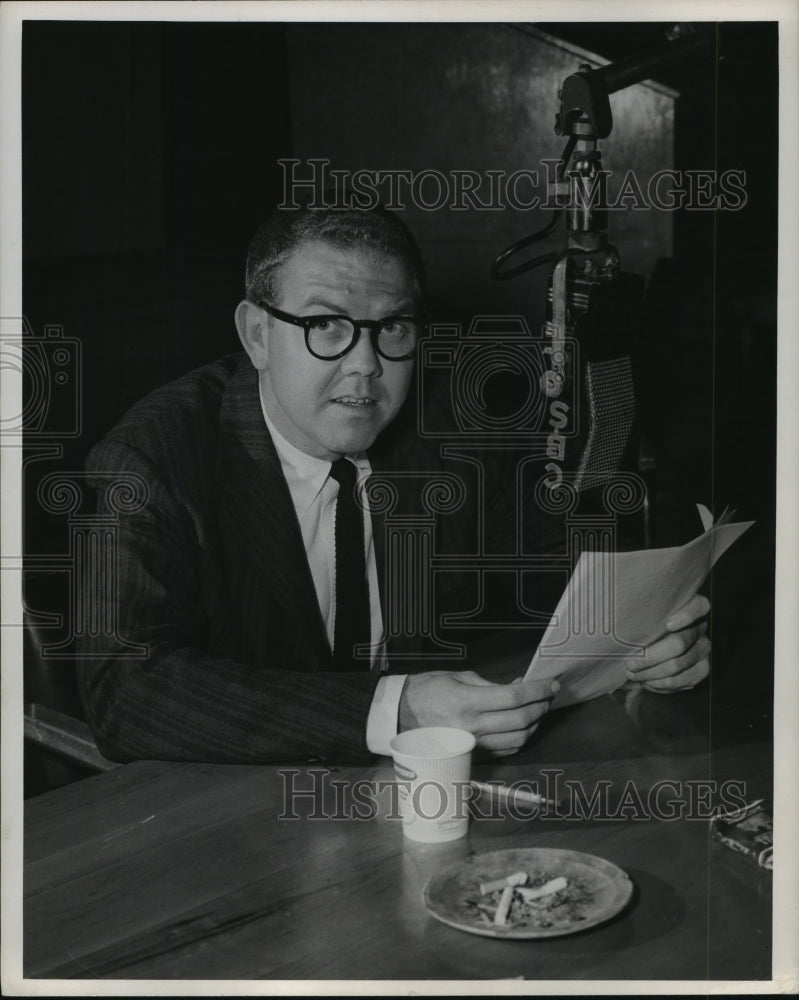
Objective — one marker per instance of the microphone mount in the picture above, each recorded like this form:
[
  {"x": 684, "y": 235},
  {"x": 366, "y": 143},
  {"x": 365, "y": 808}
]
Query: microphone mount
[{"x": 584, "y": 116}]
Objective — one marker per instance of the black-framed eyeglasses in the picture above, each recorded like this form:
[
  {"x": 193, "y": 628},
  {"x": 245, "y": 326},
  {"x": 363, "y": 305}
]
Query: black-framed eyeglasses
[{"x": 331, "y": 337}]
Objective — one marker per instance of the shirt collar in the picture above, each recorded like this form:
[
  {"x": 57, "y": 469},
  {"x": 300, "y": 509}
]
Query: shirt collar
[{"x": 305, "y": 474}]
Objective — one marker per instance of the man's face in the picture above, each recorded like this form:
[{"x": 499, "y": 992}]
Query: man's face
[{"x": 333, "y": 408}]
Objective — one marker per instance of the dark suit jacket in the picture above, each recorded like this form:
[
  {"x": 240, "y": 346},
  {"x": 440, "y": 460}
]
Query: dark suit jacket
[{"x": 213, "y": 578}]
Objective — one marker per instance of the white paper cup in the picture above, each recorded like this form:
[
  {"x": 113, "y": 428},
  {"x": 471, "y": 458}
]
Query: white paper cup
[{"x": 433, "y": 766}]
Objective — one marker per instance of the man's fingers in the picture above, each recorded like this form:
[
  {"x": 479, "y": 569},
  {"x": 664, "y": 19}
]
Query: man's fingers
[
  {"x": 675, "y": 666},
  {"x": 683, "y": 647},
  {"x": 695, "y": 609},
  {"x": 504, "y": 697},
  {"x": 511, "y": 720},
  {"x": 505, "y": 743},
  {"x": 470, "y": 677},
  {"x": 466, "y": 701},
  {"x": 533, "y": 691},
  {"x": 682, "y": 681}
]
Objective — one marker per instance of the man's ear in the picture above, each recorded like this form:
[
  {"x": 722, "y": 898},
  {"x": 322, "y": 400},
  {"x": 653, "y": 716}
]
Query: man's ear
[{"x": 252, "y": 324}]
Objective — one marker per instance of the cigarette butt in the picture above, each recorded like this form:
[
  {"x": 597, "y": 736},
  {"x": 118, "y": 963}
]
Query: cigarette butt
[
  {"x": 501, "y": 916},
  {"x": 547, "y": 889},
  {"x": 511, "y": 794},
  {"x": 518, "y": 878}
]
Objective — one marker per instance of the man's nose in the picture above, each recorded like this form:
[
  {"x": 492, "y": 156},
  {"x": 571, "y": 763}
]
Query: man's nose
[{"x": 362, "y": 359}]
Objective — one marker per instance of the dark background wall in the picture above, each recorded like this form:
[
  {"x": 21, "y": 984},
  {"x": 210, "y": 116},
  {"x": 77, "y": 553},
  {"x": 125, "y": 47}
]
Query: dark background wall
[
  {"x": 150, "y": 153},
  {"x": 477, "y": 97}
]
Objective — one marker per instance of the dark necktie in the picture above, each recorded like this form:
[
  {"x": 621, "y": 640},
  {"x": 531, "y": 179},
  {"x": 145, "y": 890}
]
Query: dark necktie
[{"x": 352, "y": 589}]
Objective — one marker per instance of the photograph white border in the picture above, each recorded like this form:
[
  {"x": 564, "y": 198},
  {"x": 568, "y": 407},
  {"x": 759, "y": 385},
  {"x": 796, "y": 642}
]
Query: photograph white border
[{"x": 786, "y": 777}]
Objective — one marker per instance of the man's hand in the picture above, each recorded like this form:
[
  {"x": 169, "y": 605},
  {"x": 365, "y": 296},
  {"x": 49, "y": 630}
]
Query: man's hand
[
  {"x": 501, "y": 716},
  {"x": 680, "y": 659}
]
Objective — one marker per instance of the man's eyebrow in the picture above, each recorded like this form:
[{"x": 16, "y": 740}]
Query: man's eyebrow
[
  {"x": 406, "y": 307},
  {"x": 318, "y": 302}
]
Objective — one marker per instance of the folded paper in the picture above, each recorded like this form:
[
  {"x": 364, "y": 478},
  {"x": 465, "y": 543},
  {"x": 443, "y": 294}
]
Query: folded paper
[{"x": 617, "y": 603}]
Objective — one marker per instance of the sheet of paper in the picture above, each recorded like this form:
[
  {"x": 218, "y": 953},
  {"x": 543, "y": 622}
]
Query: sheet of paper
[{"x": 617, "y": 603}]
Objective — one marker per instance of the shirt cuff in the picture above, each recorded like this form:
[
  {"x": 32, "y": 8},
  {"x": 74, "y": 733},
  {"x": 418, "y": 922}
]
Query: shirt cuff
[{"x": 383, "y": 720}]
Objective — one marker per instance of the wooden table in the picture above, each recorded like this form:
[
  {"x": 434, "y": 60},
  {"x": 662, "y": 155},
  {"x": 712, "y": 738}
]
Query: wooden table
[{"x": 194, "y": 871}]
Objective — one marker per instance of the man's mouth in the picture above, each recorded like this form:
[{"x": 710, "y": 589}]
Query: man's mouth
[{"x": 355, "y": 400}]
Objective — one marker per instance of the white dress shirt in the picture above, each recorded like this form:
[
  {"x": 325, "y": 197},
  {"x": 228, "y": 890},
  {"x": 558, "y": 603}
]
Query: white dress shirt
[{"x": 313, "y": 493}]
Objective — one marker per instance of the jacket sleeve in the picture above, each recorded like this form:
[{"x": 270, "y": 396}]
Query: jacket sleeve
[{"x": 173, "y": 698}]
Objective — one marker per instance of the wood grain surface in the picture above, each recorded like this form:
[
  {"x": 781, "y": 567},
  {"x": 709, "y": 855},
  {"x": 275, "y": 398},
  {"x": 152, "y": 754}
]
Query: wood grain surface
[{"x": 196, "y": 871}]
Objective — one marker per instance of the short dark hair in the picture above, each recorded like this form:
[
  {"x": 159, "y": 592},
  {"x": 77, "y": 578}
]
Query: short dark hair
[{"x": 375, "y": 230}]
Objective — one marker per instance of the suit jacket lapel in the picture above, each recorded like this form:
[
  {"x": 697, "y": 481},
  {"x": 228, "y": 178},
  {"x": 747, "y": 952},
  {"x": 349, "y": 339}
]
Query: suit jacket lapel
[
  {"x": 264, "y": 546},
  {"x": 392, "y": 456},
  {"x": 417, "y": 463}
]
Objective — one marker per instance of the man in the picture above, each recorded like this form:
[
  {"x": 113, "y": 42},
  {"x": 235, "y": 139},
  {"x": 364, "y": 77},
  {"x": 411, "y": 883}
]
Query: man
[{"x": 231, "y": 574}]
